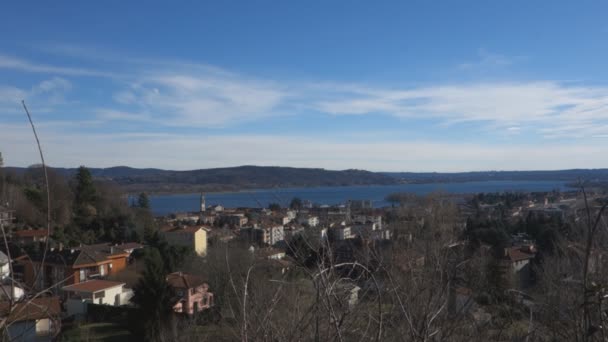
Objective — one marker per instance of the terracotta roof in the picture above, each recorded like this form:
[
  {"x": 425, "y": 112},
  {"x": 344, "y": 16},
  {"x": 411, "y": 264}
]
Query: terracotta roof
[
  {"x": 184, "y": 280},
  {"x": 166, "y": 228},
  {"x": 30, "y": 233},
  {"x": 85, "y": 255},
  {"x": 105, "y": 248},
  {"x": 92, "y": 286},
  {"x": 189, "y": 229},
  {"x": 464, "y": 291},
  {"x": 129, "y": 245},
  {"x": 44, "y": 307},
  {"x": 514, "y": 254}
]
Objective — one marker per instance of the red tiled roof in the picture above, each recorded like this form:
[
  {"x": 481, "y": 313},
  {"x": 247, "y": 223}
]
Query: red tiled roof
[
  {"x": 92, "y": 286},
  {"x": 129, "y": 245},
  {"x": 515, "y": 254},
  {"x": 184, "y": 280},
  {"x": 39, "y": 308},
  {"x": 30, "y": 233},
  {"x": 189, "y": 229},
  {"x": 464, "y": 291}
]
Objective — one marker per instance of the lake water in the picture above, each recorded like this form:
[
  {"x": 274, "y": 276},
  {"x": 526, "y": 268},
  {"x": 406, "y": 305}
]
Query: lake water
[{"x": 165, "y": 204}]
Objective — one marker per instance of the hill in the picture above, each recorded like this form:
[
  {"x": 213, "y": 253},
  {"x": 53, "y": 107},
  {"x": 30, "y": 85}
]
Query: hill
[
  {"x": 251, "y": 177},
  {"x": 228, "y": 179},
  {"x": 573, "y": 175}
]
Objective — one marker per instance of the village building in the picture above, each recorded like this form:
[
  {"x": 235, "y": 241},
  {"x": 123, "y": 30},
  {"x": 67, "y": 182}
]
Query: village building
[
  {"x": 35, "y": 320},
  {"x": 192, "y": 293},
  {"x": 194, "y": 237},
  {"x": 73, "y": 266},
  {"x": 516, "y": 261},
  {"x": 97, "y": 291},
  {"x": 29, "y": 236}
]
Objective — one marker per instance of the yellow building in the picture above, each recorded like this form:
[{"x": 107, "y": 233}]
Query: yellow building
[{"x": 192, "y": 237}]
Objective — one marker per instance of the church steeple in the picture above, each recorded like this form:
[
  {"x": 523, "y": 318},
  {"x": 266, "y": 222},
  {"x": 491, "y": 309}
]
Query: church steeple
[{"x": 202, "y": 202}]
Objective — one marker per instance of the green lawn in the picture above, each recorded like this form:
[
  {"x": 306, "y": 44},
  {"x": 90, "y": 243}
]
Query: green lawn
[{"x": 106, "y": 332}]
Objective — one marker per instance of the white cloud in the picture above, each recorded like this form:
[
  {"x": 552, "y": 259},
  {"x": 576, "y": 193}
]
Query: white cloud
[
  {"x": 535, "y": 105},
  {"x": 168, "y": 96},
  {"x": 168, "y": 151},
  {"x": 12, "y": 63},
  {"x": 170, "y": 93},
  {"x": 45, "y": 95},
  {"x": 204, "y": 99},
  {"x": 487, "y": 59},
  {"x": 117, "y": 115}
]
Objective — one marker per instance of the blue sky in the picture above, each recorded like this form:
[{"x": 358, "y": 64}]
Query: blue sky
[{"x": 383, "y": 86}]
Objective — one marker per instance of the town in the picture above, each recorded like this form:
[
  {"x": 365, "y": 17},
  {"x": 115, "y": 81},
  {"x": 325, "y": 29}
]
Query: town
[
  {"x": 501, "y": 266},
  {"x": 303, "y": 171}
]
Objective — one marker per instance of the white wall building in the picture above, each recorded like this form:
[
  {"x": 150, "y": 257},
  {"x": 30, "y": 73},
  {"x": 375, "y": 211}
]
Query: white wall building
[
  {"x": 340, "y": 233},
  {"x": 276, "y": 234},
  {"x": 5, "y": 269},
  {"x": 97, "y": 291}
]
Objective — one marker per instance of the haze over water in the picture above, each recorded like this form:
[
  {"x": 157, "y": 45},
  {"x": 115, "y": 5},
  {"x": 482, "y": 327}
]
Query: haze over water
[{"x": 165, "y": 204}]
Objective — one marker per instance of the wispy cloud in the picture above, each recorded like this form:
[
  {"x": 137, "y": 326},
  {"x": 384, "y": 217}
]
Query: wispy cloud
[
  {"x": 486, "y": 59},
  {"x": 199, "y": 95},
  {"x": 12, "y": 63},
  {"x": 46, "y": 95},
  {"x": 117, "y": 115},
  {"x": 530, "y": 104},
  {"x": 204, "y": 99},
  {"x": 154, "y": 150},
  {"x": 152, "y": 96}
]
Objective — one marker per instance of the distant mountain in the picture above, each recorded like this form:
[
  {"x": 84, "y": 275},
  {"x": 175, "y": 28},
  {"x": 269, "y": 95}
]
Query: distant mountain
[
  {"x": 229, "y": 179},
  {"x": 588, "y": 175},
  {"x": 250, "y": 177}
]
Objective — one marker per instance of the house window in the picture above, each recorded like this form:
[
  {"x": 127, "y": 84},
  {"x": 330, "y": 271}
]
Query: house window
[
  {"x": 102, "y": 270},
  {"x": 82, "y": 275}
]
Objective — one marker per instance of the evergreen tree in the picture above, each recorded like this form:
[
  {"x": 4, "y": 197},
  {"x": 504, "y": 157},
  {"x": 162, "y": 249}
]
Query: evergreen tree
[
  {"x": 85, "y": 188},
  {"x": 85, "y": 197},
  {"x": 296, "y": 203},
  {"x": 143, "y": 201},
  {"x": 274, "y": 206},
  {"x": 153, "y": 297}
]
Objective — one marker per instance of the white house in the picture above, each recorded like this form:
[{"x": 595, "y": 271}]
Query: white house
[
  {"x": 5, "y": 268},
  {"x": 7, "y": 291},
  {"x": 96, "y": 291},
  {"x": 310, "y": 220},
  {"x": 340, "y": 232},
  {"x": 276, "y": 234},
  {"x": 374, "y": 219}
]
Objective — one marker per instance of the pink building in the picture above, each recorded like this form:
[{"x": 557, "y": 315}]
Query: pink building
[{"x": 192, "y": 291}]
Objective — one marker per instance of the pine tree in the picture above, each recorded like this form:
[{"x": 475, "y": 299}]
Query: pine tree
[
  {"x": 143, "y": 201},
  {"x": 85, "y": 198},
  {"x": 153, "y": 297},
  {"x": 85, "y": 188}
]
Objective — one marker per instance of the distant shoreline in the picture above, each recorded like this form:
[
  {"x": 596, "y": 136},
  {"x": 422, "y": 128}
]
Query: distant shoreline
[{"x": 283, "y": 188}]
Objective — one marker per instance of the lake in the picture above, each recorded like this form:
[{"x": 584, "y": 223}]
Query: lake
[{"x": 166, "y": 204}]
